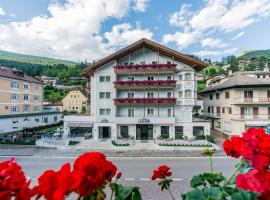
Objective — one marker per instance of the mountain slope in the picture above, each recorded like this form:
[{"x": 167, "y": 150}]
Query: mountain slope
[
  {"x": 256, "y": 53},
  {"x": 5, "y": 55}
]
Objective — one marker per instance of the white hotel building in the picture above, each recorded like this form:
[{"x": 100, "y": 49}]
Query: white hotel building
[{"x": 144, "y": 91}]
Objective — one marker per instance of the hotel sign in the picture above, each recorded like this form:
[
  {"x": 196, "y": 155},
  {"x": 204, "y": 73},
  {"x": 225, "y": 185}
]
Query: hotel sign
[{"x": 144, "y": 121}]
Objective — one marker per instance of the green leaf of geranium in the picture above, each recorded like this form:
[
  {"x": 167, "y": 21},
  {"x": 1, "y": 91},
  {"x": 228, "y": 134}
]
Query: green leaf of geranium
[
  {"x": 213, "y": 193},
  {"x": 128, "y": 193},
  {"x": 243, "y": 195},
  {"x": 206, "y": 179}
]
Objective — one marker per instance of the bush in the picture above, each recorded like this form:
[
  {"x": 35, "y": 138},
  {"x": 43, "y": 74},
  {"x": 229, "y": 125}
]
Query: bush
[
  {"x": 73, "y": 142},
  {"x": 185, "y": 145},
  {"x": 119, "y": 145},
  {"x": 210, "y": 138},
  {"x": 30, "y": 142}
]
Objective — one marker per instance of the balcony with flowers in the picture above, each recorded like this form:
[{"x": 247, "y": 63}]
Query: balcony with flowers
[
  {"x": 145, "y": 84},
  {"x": 127, "y": 101},
  {"x": 144, "y": 68}
]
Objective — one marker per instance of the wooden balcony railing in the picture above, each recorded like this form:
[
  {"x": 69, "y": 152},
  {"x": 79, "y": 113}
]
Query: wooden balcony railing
[
  {"x": 145, "y": 84},
  {"x": 144, "y": 68},
  {"x": 127, "y": 101}
]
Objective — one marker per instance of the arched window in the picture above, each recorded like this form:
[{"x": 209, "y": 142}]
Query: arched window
[
  {"x": 188, "y": 77},
  {"x": 188, "y": 94}
]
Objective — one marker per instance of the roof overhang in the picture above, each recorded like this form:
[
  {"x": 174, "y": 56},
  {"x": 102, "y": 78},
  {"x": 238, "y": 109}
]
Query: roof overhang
[{"x": 197, "y": 65}]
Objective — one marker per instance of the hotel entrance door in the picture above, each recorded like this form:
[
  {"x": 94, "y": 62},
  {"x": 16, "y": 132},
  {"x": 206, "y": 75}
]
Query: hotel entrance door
[{"x": 144, "y": 132}]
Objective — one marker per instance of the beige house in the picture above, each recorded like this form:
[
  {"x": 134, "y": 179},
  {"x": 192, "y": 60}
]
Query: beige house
[
  {"x": 238, "y": 102},
  {"x": 21, "y": 102},
  {"x": 75, "y": 100},
  {"x": 19, "y": 93}
]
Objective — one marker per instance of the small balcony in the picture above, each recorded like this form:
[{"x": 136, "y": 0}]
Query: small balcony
[
  {"x": 138, "y": 101},
  {"x": 248, "y": 117},
  {"x": 145, "y": 84},
  {"x": 212, "y": 115},
  {"x": 253, "y": 100},
  {"x": 144, "y": 68}
]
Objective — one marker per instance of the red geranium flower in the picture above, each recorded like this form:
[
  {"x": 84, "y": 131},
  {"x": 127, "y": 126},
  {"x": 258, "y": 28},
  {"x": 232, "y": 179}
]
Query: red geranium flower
[
  {"x": 13, "y": 182},
  {"x": 161, "y": 172},
  {"x": 91, "y": 172},
  {"x": 255, "y": 181}
]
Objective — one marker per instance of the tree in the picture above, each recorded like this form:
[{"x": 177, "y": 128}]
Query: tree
[{"x": 212, "y": 72}]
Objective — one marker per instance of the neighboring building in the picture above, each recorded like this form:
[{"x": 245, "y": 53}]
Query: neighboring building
[
  {"x": 21, "y": 102},
  {"x": 75, "y": 100},
  {"x": 144, "y": 91},
  {"x": 238, "y": 102}
]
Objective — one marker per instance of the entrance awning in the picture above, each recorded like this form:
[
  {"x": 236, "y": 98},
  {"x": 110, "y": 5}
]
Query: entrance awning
[{"x": 80, "y": 124}]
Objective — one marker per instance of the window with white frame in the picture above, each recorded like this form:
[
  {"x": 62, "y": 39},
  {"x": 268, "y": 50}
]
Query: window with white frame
[
  {"x": 130, "y": 112},
  {"x": 180, "y": 94},
  {"x": 169, "y": 112},
  {"x": 26, "y": 86},
  {"x": 36, "y": 98},
  {"x": 180, "y": 77},
  {"x": 130, "y": 94},
  {"x": 188, "y": 94},
  {"x": 37, "y": 119},
  {"x": 150, "y": 78},
  {"x": 36, "y": 108},
  {"x": 150, "y": 111},
  {"x": 150, "y": 94},
  {"x": 169, "y": 77},
  {"x": 131, "y": 78},
  {"x": 104, "y": 95},
  {"x": 105, "y": 111},
  {"x": 14, "y": 84},
  {"x": 104, "y": 79},
  {"x": 26, "y": 97},
  {"x": 169, "y": 94},
  {"x": 188, "y": 77},
  {"x": 15, "y": 109},
  {"x": 26, "y": 108},
  {"x": 15, "y": 97}
]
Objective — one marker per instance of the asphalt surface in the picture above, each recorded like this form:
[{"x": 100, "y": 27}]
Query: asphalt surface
[{"x": 138, "y": 170}]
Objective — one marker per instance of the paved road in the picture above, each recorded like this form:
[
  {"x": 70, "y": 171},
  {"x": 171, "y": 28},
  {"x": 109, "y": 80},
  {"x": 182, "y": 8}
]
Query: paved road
[{"x": 137, "y": 171}]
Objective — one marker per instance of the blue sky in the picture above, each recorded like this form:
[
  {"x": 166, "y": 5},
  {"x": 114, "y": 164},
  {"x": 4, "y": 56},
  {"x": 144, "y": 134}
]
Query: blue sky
[{"x": 91, "y": 29}]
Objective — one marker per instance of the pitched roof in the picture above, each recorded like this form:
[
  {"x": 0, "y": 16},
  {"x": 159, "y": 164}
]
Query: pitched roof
[
  {"x": 77, "y": 88},
  {"x": 16, "y": 74},
  {"x": 240, "y": 79},
  {"x": 151, "y": 45}
]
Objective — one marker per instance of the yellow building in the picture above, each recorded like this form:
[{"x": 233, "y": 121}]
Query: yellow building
[
  {"x": 19, "y": 93},
  {"x": 75, "y": 100}
]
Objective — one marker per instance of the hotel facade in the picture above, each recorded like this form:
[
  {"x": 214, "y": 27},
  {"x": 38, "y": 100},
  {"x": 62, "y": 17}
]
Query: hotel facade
[
  {"x": 145, "y": 91},
  {"x": 238, "y": 102},
  {"x": 21, "y": 102}
]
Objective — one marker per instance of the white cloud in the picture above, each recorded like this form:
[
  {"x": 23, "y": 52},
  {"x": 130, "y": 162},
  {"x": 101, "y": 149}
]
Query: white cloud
[
  {"x": 140, "y": 5},
  {"x": 216, "y": 16},
  {"x": 203, "y": 53},
  {"x": 238, "y": 35},
  {"x": 2, "y": 12},
  {"x": 124, "y": 34},
  {"x": 71, "y": 31},
  {"x": 214, "y": 43}
]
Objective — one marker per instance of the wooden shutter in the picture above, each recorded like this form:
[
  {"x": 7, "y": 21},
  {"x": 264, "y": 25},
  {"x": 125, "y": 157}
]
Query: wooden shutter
[
  {"x": 255, "y": 110},
  {"x": 242, "y": 111}
]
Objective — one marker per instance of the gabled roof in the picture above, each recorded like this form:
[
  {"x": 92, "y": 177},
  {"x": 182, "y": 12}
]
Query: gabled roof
[
  {"x": 240, "y": 80},
  {"x": 76, "y": 89},
  {"x": 16, "y": 74},
  {"x": 197, "y": 65}
]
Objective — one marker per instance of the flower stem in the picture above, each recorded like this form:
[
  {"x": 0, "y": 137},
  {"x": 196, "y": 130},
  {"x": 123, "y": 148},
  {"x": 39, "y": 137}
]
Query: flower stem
[
  {"x": 171, "y": 193},
  {"x": 211, "y": 164},
  {"x": 235, "y": 171}
]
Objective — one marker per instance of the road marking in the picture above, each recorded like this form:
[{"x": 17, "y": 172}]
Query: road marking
[
  {"x": 129, "y": 179},
  {"x": 144, "y": 179}
]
